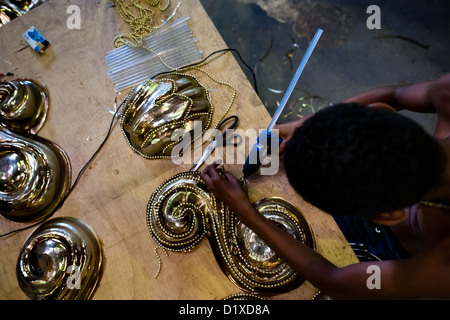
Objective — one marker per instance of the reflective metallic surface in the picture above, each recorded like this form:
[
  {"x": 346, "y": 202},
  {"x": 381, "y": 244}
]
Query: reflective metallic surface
[
  {"x": 247, "y": 260},
  {"x": 61, "y": 259},
  {"x": 177, "y": 212},
  {"x": 7, "y": 14},
  {"x": 157, "y": 108},
  {"x": 23, "y": 105},
  {"x": 34, "y": 172},
  {"x": 21, "y": 6},
  {"x": 10, "y": 9},
  {"x": 286, "y": 217},
  {"x": 181, "y": 211}
]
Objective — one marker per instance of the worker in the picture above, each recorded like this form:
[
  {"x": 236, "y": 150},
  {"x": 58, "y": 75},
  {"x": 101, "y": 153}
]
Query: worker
[{"x": 384, "y": 179}]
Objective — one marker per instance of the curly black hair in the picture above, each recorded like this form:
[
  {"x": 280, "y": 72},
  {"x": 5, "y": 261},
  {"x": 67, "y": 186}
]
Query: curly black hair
[{"x": 350, "y": 159}]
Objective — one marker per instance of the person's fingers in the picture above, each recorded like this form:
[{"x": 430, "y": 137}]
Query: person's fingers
[
  {"x": 211, "y": 176},
  {"x": 205, "y": 175},
  {"x": 230, "y": 177},
  {"x": 208, "y": 168},
  {"x": 212, "y": 172},
  {"x": 209, "y": 183}
]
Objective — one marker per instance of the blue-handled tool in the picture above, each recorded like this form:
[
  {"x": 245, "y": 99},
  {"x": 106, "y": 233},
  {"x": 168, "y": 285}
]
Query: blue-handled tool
[{"x": 264, "y": 140}]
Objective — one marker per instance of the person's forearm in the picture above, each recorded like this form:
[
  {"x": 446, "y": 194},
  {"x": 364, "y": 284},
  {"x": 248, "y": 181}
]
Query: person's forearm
[
  {"x": 339, "y": 283},
  {"x": 383, "y": 94},
  {"x": 413, "y": 97},
  {"x": 307, "y": 262}
]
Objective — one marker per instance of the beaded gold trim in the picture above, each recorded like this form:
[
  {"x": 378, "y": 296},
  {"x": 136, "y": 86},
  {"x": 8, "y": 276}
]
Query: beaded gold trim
[
  {"x": 143, "y": 24},
  {"x": 172, "y": 125},
  {"x": 180, "y": 123},
  {"x": 243, "y": 296}
]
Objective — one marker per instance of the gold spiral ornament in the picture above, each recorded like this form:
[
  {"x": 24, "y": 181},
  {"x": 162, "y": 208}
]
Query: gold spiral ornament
[
  {"x": 182, "y": 211},
  {"x": 177, "y": 212}
]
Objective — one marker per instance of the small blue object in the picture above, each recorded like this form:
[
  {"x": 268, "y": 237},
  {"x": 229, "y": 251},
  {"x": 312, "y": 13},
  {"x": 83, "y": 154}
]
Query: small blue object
[
  {"x": 253, "y": 161},
  {"x": 35, "y": 40}
]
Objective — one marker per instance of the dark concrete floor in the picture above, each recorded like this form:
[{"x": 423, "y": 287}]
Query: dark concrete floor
[{"x": 272, "y": 36}]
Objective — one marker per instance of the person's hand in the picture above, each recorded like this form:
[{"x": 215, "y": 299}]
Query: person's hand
[
  {"x": 286, "y": 130},
  {"x": 227, "y": 189}
]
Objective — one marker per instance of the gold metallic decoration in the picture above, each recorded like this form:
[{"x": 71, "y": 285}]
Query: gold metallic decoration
[
  {"x": 181, "y": 211},
  {"x": 177, "y": 212},
  {"x": 62, "y": 259},
  {"x": 35, "y": 176},
  {"x": 140, "y": 15},
  {"x": 11, "y": 9},
  {"x": 247, "y": 260},
  {"x": 35, "y": 173},
  {"x": 243, "y": 296},
  {"x": 21, "y": 6},
  {"x": 156, "y": 108},
  {"x": 141, "y": 133},
  {"x": 319, "y": 295},
  {"x": 23, "y": 105}
]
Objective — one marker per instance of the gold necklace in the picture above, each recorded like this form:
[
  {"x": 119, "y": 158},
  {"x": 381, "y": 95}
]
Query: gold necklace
[{"x": 434, "y": 205}]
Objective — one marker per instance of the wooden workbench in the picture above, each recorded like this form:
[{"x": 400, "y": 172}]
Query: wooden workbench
[{"x": 113, "y": 193}]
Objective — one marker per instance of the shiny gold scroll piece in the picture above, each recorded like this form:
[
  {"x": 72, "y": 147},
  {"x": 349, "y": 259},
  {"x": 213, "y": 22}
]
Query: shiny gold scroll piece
[
  {"x": 155, "y": 109},
  {"x": 181, "y": 211}
]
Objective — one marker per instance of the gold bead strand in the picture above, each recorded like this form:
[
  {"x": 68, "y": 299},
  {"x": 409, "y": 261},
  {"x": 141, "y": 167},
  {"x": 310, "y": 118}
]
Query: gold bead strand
[{"x": 158, "y": 257}]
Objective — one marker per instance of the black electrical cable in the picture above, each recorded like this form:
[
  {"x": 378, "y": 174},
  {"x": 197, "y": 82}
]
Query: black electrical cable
[
  {"x": 76, "y": 180},
  {"x": 109, "y": 133}
]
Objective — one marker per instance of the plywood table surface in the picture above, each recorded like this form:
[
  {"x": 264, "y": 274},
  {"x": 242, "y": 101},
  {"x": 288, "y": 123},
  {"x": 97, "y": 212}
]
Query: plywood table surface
[{"x": 112, "y": 195}]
